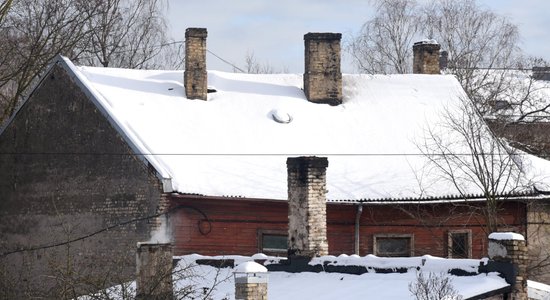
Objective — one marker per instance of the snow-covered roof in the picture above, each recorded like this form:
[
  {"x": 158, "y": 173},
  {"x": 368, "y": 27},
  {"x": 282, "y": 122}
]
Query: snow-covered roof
[
  {"x": 231, "y": 145},
  {"x": 518, "y": 95},
  {"x": 220, "y": 282}
]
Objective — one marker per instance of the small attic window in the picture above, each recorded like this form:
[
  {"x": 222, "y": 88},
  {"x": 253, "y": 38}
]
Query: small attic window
[{"x": 281, "y": 116}]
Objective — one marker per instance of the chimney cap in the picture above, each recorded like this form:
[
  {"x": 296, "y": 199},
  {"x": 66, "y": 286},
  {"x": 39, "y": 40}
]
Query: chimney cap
[
  {"x": 196, "y": 32},
  {"x": 250, "y": 267},
  {"x": 322, "y": 36},
  {"x": 307, "y": 161},
  {"x": 426, "y": 42}
]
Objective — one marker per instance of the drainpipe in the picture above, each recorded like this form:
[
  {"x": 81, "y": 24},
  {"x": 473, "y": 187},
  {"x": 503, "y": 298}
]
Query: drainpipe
[{"x": 357, "y": 221}]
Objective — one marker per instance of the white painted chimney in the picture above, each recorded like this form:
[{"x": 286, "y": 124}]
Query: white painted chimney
[{"x": 307, "y": 223}]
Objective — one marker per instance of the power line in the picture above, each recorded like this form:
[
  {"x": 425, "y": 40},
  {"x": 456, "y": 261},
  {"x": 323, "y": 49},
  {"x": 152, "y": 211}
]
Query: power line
[
  {"x": 225, "y": 61},
  {"x": 168, "y": 44},
  {"x": 267, "y": 154}
]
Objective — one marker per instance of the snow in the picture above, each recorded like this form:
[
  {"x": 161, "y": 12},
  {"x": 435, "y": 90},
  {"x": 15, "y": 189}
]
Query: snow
[
  {"x": 426, "y": 263},
  {"x": 427, "y": 41},
  {"x": 506, "y": 236},
  {"x": 514, "y": 85},
  {"x": 231, "y": 145},
  {"x": 250, "y": 267},
  {"x": 281, "y": 116},
  {"x": 537, "y": 290},
  {"x": 324, "y": 286}
]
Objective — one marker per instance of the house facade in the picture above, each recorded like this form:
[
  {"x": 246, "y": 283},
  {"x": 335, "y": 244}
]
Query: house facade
[
  {"x": 409, "y": 228},
  {"x": 96, "y": 158},
  {"x": 66, "y": 173}
]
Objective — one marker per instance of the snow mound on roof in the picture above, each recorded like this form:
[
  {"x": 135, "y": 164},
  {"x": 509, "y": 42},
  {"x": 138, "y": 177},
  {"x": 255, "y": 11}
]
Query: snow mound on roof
[
  {"x": 507, "y": 236},
  {"x": 250, "y": 267},
  {"x": 426, "y": 263}
]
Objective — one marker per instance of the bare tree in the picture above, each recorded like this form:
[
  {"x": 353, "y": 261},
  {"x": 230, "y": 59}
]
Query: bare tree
[
  {"x": 384, "y": 44},
  {"x": 116, "y": 33},
  {"x": 482, "y": 46},
  {"x": 128, "y": 34},
  {"x": 32, "y": 34},
  {"x": 477, "y": 41},
  {"x": 466, "y": 154},
  {"x": 254, "y": 66},
  {"x": 516, "y": 95},
  {"x": 433, "y": 287},
  {"x": 4, "y": 7},
  {"x": 474, "y": 37}
]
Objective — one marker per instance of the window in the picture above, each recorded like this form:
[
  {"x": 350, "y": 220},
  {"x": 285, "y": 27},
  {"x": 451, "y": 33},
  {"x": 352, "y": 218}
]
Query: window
[
  {"x": 272, "y": 242},
  {"x": 459, "y": 244},
  {"x": 393, "y": 245}
]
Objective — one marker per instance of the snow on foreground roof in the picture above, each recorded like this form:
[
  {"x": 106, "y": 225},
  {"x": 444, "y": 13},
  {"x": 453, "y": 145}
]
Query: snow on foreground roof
[
  {"x": 507, "y": 236},
  {"x": 329, "y": 286},
  {"x": 230, "y": 145}
]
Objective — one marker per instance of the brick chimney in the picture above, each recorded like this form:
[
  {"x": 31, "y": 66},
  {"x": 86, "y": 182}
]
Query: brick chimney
[
  {"x": 195, "y": 77},
  {"x": 443, "y": 60},
  {"x": 322, "y": 75},
  {"x": 154, "y": 271},
  {"x": 250, "y": 281},
  {"x": 307, "y": 224},
  {"x": 508, "y": 247},
  {"x": 426, "y": 57}
]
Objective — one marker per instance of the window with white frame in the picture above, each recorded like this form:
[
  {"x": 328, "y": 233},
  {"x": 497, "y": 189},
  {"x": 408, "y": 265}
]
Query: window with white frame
[{"x": 459, "y": 243}]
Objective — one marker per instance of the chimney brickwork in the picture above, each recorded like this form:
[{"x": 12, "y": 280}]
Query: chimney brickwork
[
  {"x": 154, "y": 271},
  {"x": 250, "y": 291},
  {"x": 322, "y": 75},
  {"x": 307, "y": 224},
  {"x": 250, "y": 281},
  {"x": 195, "y": 75},
  {"x": 426, "y": 57},
  {"x": 443, "y": 60},
  {"x": 514, "y": 252}
]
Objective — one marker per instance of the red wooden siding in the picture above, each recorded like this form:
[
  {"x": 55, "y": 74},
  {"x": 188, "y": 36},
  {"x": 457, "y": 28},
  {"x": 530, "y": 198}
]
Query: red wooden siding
[{"x": 235, "y": 223}]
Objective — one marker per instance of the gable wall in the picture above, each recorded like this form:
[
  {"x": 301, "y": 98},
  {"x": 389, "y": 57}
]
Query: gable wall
[
  {"x": 538, "y": 235},
  {"x": 65, "y": 172},
  {"x": 235, "y": 224}
]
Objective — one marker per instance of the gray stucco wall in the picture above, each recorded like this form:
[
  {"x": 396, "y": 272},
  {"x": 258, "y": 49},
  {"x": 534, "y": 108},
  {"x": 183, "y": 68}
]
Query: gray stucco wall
[{"x": 66, "y": 172}]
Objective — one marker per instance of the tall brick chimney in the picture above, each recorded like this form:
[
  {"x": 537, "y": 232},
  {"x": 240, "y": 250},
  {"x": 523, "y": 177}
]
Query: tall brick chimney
[
  {"x": 322, "y": 75},
  {"x": 307, "y": 223},
  {"x": 195, "y": 77},
  {"x": 426, "y": 57}
]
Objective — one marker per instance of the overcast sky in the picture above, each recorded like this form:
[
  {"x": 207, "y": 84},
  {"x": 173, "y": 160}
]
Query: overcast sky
[{"x": 273, "y": 30}]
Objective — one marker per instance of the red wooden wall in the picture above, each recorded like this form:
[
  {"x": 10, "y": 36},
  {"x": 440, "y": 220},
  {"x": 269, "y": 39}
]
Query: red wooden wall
[{"x": 235, "y": 223}]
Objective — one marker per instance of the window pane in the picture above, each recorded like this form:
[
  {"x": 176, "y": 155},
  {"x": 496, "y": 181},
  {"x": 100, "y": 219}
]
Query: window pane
[
  {"x": 393, "y": 246},
  {"x": 459, "y": 245},
  {"x": 274, "y": 242}
]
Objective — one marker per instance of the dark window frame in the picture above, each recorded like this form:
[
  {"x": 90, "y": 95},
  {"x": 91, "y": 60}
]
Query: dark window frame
[
  {"x": 450, "y": 243},
  {"x": 271, "y": 251},
  {"x": 408, "y": 236}
]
